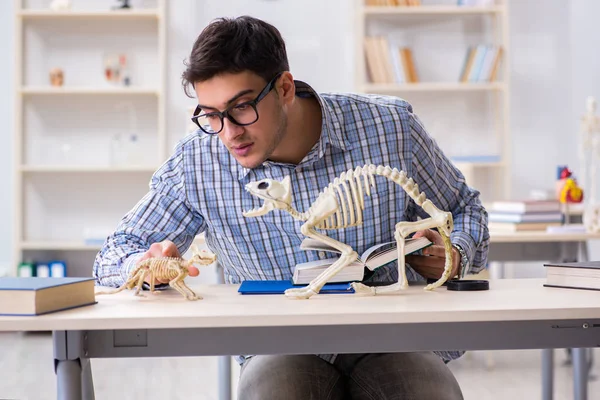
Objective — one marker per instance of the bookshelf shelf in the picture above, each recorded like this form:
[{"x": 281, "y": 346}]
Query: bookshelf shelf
[
  {"x": 464, "y": 165},
  {"x": 61, "y": 91},
  {"x": 433, "y": 87},
  {"x": 72, "y": 143},
  {"x": 72, "y": 15},
  {"x": 430, "y": 10},
  {"x": 41, "y": 169},
  {"x": 77, "y": 246},
  {"x": 451, "y": 63}
]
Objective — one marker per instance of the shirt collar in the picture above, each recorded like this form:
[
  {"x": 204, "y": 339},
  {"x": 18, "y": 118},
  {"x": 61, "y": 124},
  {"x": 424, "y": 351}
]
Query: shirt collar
[{"x": 331, "y": 130}]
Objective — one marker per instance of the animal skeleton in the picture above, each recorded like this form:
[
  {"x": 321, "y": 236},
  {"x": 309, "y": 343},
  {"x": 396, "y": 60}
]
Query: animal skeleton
[
  {"x": 339, "y": 206},
  {"x": 590, "y": 156},
  {"x": 173, "y": 268}
]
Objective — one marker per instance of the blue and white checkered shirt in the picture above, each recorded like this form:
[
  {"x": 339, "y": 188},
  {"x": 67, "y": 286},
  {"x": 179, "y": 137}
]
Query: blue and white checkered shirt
[{"x": 200, "y": 188}]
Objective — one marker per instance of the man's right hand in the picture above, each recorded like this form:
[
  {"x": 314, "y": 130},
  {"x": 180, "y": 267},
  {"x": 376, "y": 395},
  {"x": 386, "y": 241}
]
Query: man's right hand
[{"x": 166, "y": 248}]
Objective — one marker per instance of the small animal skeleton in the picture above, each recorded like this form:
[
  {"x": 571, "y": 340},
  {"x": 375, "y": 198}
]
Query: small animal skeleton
[
  {"x": 339, "y": 206},
  {"x": 173, "y": 268}
]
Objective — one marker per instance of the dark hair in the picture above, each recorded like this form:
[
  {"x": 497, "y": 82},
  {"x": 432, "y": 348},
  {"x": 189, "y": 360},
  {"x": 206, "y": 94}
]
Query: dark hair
[{"x": 233, "y": 45}]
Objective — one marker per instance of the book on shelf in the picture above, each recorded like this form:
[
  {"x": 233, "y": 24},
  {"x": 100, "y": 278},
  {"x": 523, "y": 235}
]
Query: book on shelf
[
  {"x": 388, "y": 63},
  {"x": 372, "y": 258},
  {"x": 573, "y": 275},
  {"x": 38, "y": 295},
  {"x": 481, "y": 64},
  {"x": 392, "y": 3}
]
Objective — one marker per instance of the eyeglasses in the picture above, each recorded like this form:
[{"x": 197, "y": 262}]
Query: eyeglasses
[{"x": 242, "y": 114}]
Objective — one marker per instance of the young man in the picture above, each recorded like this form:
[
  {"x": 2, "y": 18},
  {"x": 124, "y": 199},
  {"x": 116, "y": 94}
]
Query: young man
[{"x": 255, "y": 121}]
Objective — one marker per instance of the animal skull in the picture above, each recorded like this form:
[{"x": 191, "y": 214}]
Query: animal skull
[{"x": 276, "y": 195}]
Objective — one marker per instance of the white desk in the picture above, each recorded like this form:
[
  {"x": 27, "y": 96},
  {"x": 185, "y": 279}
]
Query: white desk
[
  {"x": 513, "y": 314},
  {"x": 543, "y": 247}
]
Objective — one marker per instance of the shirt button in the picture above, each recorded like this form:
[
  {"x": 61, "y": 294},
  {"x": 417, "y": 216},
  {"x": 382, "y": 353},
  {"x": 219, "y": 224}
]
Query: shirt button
[{"x": 321, "y": 254}]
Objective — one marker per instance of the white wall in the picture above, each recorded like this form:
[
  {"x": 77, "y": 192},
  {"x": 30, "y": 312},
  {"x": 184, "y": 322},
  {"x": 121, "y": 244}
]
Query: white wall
[
  {"x": 550, "y": 79},
  {"x": 6, "y": 132}
]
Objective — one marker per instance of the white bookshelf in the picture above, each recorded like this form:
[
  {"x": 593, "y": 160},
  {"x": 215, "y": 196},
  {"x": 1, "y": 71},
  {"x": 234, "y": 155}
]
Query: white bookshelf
[
  {"x": 68, "y": 178},
  {"x": 461, "y": 116}
]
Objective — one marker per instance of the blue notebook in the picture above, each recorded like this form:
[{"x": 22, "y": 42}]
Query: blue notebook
[{"x": 279, "y": 287}]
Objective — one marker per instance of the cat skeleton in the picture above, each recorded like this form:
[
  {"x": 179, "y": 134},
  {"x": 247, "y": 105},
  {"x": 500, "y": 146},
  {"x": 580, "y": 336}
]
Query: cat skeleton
[{"x": 339, "y": 206}]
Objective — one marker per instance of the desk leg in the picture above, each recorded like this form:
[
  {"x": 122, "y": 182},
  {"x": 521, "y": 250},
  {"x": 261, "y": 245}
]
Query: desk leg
[
  {"x": 72, "y": 367},
  {"x": 224, "y": 361},
  {"x": 547, "y": 374},
  {"x": 68, "y": 380},
  {"x": 224, "y": 378},
  {"x": 579, "y": 356},
  {"x": 580, "y": 374}
]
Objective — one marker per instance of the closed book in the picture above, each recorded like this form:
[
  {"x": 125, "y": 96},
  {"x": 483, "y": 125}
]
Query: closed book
[
  {"x": 548, "y": 217},
  {"x": 575, "y": 275},
  {"x": 372, "y": 258},
  {"x": 37, "y": 295},
  {"x": 526, "y": 206},
  {"x": 521, "y": 226}
]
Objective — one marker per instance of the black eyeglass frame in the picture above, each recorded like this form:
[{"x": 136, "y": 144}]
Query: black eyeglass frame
[{"x": 225, "y": 113}]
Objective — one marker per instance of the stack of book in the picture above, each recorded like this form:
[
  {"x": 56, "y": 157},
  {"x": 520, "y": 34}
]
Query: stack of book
[{"x": 525, "y": 215}]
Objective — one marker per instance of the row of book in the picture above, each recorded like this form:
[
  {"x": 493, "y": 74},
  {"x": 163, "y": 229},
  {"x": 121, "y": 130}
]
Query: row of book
[
  {"x": 525, "y": 215},
  {"x": 482, "y": 63},
  {"x": 389, "y": 63},
  {"x": 393, "y": 3},
  {"x": 400, "y": 3}
]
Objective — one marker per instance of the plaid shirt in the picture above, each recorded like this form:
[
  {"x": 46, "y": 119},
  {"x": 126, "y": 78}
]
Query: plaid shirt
[{"x": 200, "y": 188}]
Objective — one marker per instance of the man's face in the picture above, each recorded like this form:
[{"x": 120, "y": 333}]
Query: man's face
[{"x": 251, "y": 145}]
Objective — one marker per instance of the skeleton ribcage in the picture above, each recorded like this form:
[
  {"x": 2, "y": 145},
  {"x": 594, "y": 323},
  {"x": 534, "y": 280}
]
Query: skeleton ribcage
[
  {"x": 349, "y": 190},
  {"x": 161, "y": 267}
]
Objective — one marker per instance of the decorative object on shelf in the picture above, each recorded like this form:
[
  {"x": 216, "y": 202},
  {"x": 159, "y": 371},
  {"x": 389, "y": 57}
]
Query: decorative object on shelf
[
  {"x": 175, "y": 269},
  {"x": 567, "y": 190},
  {"x": 340, "y": 206},
  {"x": 124, "y": 147},
  {"x": 124, "y": 5},
  {"x": 57, "y": 77},
  {"x": 60, "y": 5},
  {"x": 116, "y": 69},
  {"x": 589, "y": 153}
]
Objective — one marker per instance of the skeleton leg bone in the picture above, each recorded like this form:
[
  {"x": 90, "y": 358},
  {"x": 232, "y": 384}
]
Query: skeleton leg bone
[
  {"x": 403, "y": 230},
  {"x": 191, "y": 295},
  {"x": 347, "y": 257}
]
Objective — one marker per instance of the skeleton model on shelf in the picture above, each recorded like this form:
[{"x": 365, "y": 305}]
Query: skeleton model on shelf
[
  {"x": 590, "y": 163},
  {"x": 175, "y": 269},
  {"x": 340, "y": 205}
]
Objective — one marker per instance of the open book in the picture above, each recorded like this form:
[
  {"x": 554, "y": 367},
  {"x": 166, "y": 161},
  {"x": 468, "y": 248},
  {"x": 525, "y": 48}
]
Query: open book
[{"x": 373, "y": 258}]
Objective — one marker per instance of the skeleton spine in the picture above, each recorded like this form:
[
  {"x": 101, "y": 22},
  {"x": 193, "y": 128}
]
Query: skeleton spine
[{"x": 350, "y": 188}]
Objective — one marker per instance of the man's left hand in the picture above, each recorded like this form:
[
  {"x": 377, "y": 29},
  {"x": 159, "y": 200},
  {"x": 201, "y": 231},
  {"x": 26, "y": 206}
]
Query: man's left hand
[{"x": 431, "y": 264}]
